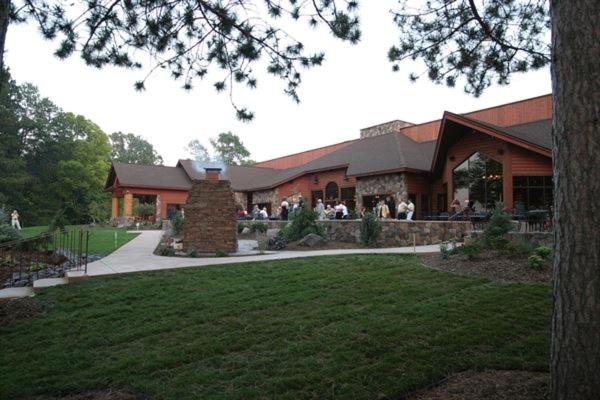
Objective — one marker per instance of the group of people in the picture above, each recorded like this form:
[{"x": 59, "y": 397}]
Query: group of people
[
  {"x": 338, "y": 211},
  {"x": 404, "y": 211}
]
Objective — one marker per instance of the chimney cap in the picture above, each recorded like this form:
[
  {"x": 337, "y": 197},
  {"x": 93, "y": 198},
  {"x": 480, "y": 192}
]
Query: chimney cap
[{"x": 212, "y": 169}]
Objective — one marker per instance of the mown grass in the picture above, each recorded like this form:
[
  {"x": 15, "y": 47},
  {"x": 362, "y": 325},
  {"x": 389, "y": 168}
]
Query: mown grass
[
  {"x": 356, "y": 327},
  {"x": 101, "y": 242}
]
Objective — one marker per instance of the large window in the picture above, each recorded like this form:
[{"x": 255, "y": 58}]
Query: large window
[
  {"x": 332, "y": 193},
  {"x": 532, "y": 193},
  {"x": 478, "y": 182}
]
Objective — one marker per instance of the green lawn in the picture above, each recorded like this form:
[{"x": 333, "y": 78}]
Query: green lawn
[
  {"x": 101, "y": 242},
  {"x": 346, "y": 327}
]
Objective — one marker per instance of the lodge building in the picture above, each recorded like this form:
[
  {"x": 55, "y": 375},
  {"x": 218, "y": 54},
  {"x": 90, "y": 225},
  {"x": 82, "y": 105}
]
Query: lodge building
[{"x": 501, "y": 153}]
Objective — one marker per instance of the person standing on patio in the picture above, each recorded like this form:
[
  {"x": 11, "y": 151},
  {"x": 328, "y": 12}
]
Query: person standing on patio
[
  {"x": 384, "y": 210},
  {"x": 285, "y": 209},
  {"x": 14, "y": 218},
  {"x": 410, "y": 207},
  {"x": 264, "y": 214},
  {"x": 320, "y": 209},
  {"x": 402, "y": 208}
]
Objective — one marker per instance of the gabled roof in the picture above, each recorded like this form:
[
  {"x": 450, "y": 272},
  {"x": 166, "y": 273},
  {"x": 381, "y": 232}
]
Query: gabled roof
[
  {"x": 534, "y": 136},
  {"x": 147, "y": 176}
]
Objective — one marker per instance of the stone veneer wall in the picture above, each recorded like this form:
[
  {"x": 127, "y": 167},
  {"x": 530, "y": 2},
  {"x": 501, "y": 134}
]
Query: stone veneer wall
[
  {"x": 394, "y": 233},
  {"x": 382, "y": 129},
  {"x": 266, "y": 196},
  {"x": 240, "y": 198},
  {"x": 210, "y": 223},
  {"x": 394, "y": 184}
]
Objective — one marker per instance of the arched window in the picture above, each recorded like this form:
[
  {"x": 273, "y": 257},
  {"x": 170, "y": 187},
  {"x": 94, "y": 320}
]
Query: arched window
[
  {"x": 331, "y": 191},
  {"x": 478, "y": 182}
]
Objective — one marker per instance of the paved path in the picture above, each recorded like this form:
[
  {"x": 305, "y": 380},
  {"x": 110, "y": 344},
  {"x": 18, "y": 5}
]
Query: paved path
[{"x": 136, "y": 256}]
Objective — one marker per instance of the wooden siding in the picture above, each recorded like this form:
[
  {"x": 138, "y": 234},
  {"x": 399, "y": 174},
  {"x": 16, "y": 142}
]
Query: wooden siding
[
  {"x": 526, "y": 163},
  {"x": 295, "y": 160},
  {"x": 515, "y": 161},
  {"x": 519, "y": 112}
]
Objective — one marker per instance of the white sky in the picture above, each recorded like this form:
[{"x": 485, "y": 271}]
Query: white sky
[{"x": 355, "y": 88}]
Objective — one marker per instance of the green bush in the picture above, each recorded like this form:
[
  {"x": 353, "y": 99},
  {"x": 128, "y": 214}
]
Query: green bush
[
  {"x": 240, "y": 228},
  {"x": 177, "y": 223},
  {"x": 370, "y": 230},
  {"x": 258, "y": 227},
  {"x": 8, "y": 233},
  {"x": 58, "y": 222},
  {"x": 536, "y": 262},
  {"x": 500, "y": 224},
  {"x": 543, "y": 252},
  {"x": 304, "y": 222},
  {"x": 445, "y": 250},
  {"x": 145, "y": 209},
  {"x": 221, "y": 253}
]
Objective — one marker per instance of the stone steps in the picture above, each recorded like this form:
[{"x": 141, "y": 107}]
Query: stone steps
[
  {"x": 16, "y": 292},
  {"x": 49, "y": 282}
]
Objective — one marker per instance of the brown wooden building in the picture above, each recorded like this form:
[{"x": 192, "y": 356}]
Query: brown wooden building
[{"x": 501, "y": 153}]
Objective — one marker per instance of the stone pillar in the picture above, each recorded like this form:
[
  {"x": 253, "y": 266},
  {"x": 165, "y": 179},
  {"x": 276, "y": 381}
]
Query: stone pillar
[
  {"x": 158, "y": 207},
  {"x": 115, "y": 207},
  {"x": 128, "y": 207}
]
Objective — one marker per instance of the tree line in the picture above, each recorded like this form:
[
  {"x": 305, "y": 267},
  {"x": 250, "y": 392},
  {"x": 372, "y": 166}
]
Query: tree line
[{"x": 54, "y": 163}]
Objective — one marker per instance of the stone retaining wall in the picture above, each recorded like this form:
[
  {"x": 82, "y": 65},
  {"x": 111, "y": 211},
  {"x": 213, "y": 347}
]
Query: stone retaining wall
[{"x": 394, "y": 233}]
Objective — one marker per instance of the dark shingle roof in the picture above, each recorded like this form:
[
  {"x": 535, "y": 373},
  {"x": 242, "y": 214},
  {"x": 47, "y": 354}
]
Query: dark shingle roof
[
  {"x": 537, "y": 132},
  {"x": 155, "y": 176}
]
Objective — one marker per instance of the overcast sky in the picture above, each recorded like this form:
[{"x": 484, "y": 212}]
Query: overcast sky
[{"x": 355, "y": 88}]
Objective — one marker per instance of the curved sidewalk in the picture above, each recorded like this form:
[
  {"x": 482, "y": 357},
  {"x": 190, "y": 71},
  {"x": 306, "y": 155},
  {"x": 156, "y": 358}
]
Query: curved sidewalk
[{"x": 137, "y": 255}]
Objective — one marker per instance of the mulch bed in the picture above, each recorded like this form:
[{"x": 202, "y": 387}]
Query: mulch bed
[
  {"x": 107, "y": 394},
  {"x": 491, "y": 265},
  {"x": 12, "y": 310},
  {"x": 489, "y": 385}
]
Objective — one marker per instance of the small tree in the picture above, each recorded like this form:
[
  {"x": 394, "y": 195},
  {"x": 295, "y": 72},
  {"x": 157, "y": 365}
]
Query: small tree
[
  {"x": 370, "y": 229},
  {"x": 500, "y": 224},
  {"x": 145, "y": 209},
  {"x": 304, "y": 222},
  {"x": 177, "y": 223}
]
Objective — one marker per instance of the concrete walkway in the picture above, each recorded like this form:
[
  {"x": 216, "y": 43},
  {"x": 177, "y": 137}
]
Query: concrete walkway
[{"x": 137, "y": 256}]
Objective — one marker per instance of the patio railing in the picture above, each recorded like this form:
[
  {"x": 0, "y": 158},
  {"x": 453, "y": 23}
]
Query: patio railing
[{"x": 48, "y": 255}]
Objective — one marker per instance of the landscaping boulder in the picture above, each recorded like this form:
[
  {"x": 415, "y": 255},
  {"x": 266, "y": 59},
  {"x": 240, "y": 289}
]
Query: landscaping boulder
[
  {"x": 311, "y": 240},
  {"x": 271, "y": 233},
  {"x": 246, "y": 231}
]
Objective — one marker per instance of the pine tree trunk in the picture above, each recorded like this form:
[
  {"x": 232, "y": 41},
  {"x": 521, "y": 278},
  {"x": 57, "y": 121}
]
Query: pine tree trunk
[
  {"x": 576, "y": 151},
  {"x": 4, "y": 8}
]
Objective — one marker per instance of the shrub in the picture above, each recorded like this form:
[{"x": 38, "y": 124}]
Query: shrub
[
  {"x": 543, "y": 252},
  {"x": 536, "y": 262},
  {"x": 500, "y": 224},
  {"x": 304, "y": 222},
  {"x": 279, "y": 242},
  {"x": 221, "y": 253},
  {"x": 370, "y": 229},
  {"x": 445, "y": 250},
  {"x": 8, "y": 233},
  {"x": 472, "y": 249},
  {"x": 177, "y": 223},
  {"x": 145, "y": 209},
  {"x": 58, "y": 221},
  {"x": 240, "y": 228},
  {"x": 167, "y": 251},
  {"x": 258, "y": 227}
]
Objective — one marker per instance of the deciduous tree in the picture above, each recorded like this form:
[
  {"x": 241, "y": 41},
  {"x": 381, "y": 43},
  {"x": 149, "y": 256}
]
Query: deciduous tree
[
  {"x": 133, "y": 149},
  {"x": 230, "y": 150}
]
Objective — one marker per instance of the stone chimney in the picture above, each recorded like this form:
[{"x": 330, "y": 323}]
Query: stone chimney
[
  {"x": 212, "y": 174},
  {"x": 382, "y": 129}
]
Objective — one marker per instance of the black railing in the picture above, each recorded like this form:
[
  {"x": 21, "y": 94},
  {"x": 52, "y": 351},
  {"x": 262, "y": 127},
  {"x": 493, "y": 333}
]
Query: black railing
[
  {"x": 532, "y": 221},
  {"x": 48, "y": 255}
]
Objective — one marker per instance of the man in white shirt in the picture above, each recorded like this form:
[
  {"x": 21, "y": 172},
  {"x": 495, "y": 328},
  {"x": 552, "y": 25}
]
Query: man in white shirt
[
  {"x": 402, "y": 208},
  {"x": 343, "y": 209},
  {"x": 410, "y": 207},
  {"x": 264, "y": 214}
]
